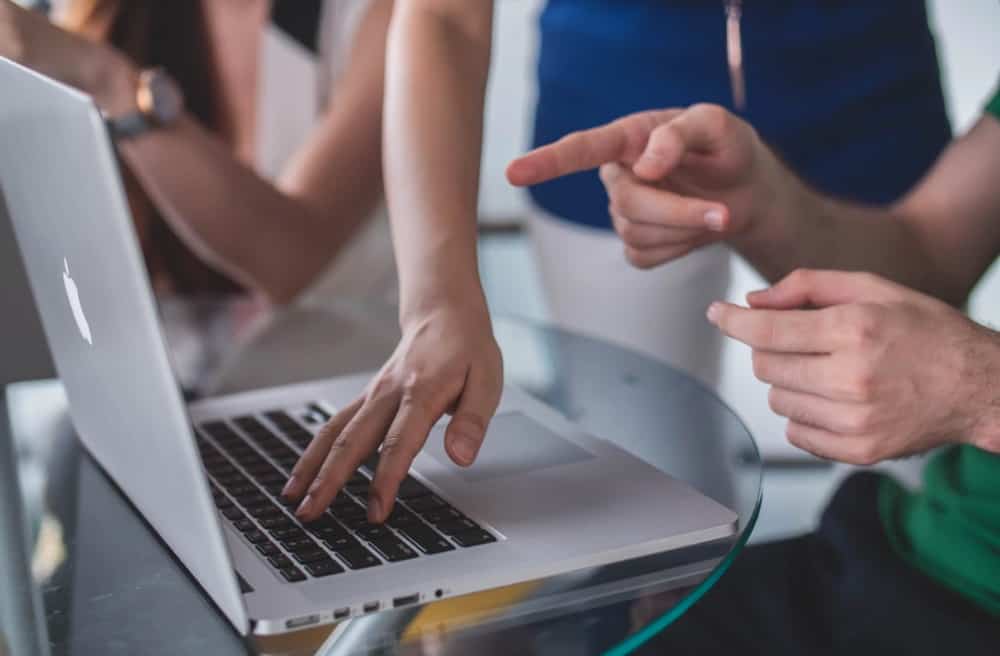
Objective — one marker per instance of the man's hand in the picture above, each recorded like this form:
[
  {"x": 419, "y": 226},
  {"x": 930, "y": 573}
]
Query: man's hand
[
  {"x": 446, "y": 362},
  {"x": 677, "y": 179},
  {"x": 866, "y": 370}
]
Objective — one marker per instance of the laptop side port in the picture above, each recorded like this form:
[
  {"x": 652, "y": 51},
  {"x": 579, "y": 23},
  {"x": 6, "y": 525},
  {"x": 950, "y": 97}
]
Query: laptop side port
[
  {"x": 300, "y": 622},
  {"x": 341, "y": 613},
  {"x": 371, "y": 607},
  {"x": 406, "y": 600}
]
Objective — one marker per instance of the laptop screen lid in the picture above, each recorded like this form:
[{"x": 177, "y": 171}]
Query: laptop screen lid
[{"x": 60, "y": 183}]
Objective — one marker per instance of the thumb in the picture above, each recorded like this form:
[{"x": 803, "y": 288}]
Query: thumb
[
  {"x": 467, "y": 428},
  {"x": 814, "y": 288},
  {"x": 702, "y": 129}
]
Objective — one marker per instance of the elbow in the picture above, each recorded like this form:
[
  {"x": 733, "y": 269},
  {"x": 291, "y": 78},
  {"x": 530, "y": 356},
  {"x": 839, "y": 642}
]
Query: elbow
[{"x": 465, "y": 20}]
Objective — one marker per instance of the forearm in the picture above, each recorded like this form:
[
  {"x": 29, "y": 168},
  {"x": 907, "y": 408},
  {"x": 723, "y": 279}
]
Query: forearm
[
  {"x": 273, "y": 237},
  {"x": 798, "y": 227},
  {"x": 436, "y": 78},
  {"x": 233, "y": 219}
]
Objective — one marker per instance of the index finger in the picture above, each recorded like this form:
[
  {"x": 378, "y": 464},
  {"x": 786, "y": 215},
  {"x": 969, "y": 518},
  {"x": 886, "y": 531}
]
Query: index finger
[
  {"x": 788, "y": 331},
  {"x": 619, "y": 141},
  {"x": 406, "y": 437}
]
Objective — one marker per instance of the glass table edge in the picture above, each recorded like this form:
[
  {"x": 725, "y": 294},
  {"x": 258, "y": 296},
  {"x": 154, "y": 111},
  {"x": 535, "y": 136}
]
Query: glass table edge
[{"x": 654, "y": 628}]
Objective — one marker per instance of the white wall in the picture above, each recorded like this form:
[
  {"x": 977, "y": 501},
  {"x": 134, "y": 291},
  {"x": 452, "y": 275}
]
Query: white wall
[{"x": 970, "y": 53}]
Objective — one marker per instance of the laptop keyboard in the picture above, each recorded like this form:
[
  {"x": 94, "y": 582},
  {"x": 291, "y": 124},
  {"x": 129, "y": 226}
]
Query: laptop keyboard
[{"x": 248, "y": 460}]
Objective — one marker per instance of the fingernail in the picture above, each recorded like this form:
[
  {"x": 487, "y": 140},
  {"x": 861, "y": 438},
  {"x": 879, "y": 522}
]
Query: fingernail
[
  {"x": 305, "y": 507},
  {"x": 714, "y": 310},
  {"x": 715, "y": 220},
  {"x": 464, "y": 449},
  {"x": 374, "y": 510},
  {"x": 289, "y": 486}
]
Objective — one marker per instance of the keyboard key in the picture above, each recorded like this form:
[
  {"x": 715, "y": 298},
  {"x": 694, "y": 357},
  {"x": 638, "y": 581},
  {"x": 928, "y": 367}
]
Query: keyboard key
[
  {"x": 300, "y": 544},
  {"x": 274, "y": 489},
  {"x": 457, "y": 526},
  {"x": 223, "y": 503},
  {"x": 427, "y": 540},
  {"x": 267, "y": 548},
  {"x": 411, "y": 488},
  {"x": 342, "y": 543},
  {"x": 288, "y": 534},
  {"x": 255, "y": 537},
  {"x": 280, "y": 418},
  {"x": 252, "y": 499},
  {"x": 250, "y": 425},
  {"x": 276, "y": 522},
  {"x": 473, "y": 538},
  {"x": 275, "y": 477},
  {"x": 356, "y": 522},
  {"x": 311, "y": 556},
  {"x": 280, "y": 561},
  {"x": 299, "y": 437},
  {"x": 400, "y": 517},
  {"x": 324, "y": 568},
  {"x": 215, "y": 428},
  {"x": 331, "y": 532},
  {"x": 318, "y": 411},
  {"x": 292, "y": 574},
  {"x": 358, "y": 488},
  {"x": 233, "y": 513},
  {"x": 393, "y": 549},
  {"x": 445, "y": 514},
  {"x": 244, "y": 525},
  {"x": 426, "y": 503},
  {"x": 241, "y": 488},
  {"x": 265, "y": 510},
  {"x": 359, "y": 558},
  {"x": 373, "y": 532}
]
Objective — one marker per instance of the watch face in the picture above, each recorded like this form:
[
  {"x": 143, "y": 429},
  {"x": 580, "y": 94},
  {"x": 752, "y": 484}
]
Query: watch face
[{"x": 159, "y": 97}]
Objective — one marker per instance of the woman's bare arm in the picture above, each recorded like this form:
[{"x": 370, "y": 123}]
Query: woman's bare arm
[{"x": 275, "y": 238}]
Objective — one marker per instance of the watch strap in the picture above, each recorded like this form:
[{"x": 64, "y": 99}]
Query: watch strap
[{"x": 129, "y": 126}]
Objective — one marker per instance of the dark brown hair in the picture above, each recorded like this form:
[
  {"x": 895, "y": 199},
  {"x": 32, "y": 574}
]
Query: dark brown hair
[{"x": 171, "y": 34}]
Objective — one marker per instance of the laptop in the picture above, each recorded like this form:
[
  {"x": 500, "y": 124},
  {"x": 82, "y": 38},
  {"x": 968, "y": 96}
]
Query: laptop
[{"x": 543, "y": 498}]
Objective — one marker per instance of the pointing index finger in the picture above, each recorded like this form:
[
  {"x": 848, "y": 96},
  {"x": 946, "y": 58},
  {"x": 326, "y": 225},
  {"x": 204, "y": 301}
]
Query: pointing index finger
[{"x": 619, "y": 141}]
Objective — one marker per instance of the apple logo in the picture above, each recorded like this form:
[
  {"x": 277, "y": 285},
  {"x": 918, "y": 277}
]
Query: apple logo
[{"x": 74, "y": 303}]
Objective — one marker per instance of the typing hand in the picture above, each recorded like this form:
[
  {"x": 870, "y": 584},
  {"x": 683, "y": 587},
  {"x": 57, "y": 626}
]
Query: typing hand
[
  {"x": 677, "y": 179},
  {"x": 878, "y": 371},
  {"x": 447, "y": 361}
]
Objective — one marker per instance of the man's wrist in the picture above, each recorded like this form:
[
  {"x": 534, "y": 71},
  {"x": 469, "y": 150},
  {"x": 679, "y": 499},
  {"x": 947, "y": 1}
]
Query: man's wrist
[{"x": 985, "y": 407}]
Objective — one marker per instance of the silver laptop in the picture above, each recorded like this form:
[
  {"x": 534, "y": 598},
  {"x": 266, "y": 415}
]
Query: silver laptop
[{"x": 543, "y": 497}]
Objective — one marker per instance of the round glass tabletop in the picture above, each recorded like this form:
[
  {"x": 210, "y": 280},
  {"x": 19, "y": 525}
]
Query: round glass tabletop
[{"x": 647, "y": 408}]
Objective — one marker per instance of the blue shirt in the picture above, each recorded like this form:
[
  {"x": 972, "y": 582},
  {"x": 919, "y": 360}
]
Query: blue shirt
[{"x": 846, "y": 91}]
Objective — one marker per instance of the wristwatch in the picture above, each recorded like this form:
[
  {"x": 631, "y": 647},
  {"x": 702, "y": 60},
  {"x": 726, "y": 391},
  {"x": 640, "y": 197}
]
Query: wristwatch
[{"x": 159, "y": 103}]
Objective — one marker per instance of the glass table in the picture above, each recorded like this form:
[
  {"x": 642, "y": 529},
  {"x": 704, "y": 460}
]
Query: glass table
[{"x": 106, "y": 583}]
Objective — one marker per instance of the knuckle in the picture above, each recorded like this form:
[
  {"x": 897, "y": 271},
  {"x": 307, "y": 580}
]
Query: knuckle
[
  {"x": 868, "y": 454},
  {"x": 713, "y": 115},
  {"x": 864, "y": 325},
  {"x": 799, "y": 277},
  {"x": 382, "y": 387},
  {"x": 630, "y": 233},
  {"x": 469, "y": 422},
  {"x": 761, "y": 365},
  {"x": 861, "y": 385}
]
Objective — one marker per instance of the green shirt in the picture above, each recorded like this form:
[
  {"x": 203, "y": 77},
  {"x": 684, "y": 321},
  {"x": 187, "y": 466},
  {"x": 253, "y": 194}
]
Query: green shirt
[{"x": 951, "y": 529}]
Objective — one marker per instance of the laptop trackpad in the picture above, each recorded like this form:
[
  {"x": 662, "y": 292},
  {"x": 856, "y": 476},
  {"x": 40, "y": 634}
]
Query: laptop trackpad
[{"x": 515, "y": 444}]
